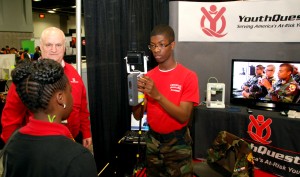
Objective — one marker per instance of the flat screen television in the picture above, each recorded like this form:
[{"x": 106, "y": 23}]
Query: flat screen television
[{"x": 243, "y": 70}]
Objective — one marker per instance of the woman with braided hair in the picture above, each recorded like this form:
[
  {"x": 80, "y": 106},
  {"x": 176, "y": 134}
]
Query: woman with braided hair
[{"x": 44, "y": 146}]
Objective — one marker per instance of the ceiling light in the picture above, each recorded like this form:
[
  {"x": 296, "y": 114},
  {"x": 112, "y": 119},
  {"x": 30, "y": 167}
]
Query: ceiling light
[
  {"x": 37, "y": 0},
  {"x": 73, "y": 6},
  {"x": 41, "y": 15},
  {"x": 51, "y": 11}
]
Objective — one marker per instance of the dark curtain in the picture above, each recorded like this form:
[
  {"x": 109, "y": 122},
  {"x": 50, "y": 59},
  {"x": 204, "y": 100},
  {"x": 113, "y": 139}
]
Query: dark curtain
[{"x": 113, "y": 27}]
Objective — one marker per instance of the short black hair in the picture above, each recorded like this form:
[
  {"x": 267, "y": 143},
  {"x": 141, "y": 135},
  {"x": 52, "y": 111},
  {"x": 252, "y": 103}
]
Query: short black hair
[
  {"x": 288, "y": 66},
  {"x": 165, "y": 30},
  {"x": 260, "y": 67},
  {"x": 37, "y": 81}
]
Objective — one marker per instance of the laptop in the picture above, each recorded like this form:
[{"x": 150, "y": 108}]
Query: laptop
[{"x": 132, "y": 135}]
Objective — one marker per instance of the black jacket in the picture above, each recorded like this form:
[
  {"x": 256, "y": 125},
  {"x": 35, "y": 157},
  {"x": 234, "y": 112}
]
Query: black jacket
[{"x": 47, "y": 156}]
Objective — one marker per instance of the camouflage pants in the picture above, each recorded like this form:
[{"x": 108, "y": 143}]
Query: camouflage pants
[{"x": 169, "y": 156}]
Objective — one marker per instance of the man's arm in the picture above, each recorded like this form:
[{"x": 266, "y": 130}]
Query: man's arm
[
  {"x": 13, "y": 113},
  {"x": 181, "y": 112},
  {"x": 138, "y": 110},
  {"x": 81, "y": 114},
  {"x": 85, "y": 125}
]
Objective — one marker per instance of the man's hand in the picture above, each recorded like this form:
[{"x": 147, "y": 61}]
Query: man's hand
[
  {"x": 87, "y": 142},
  {"x": 245, "y": 94},
  {"x": 245, "y": 87},
  {"x": 266, "y": 83},
  {"x": 146, "y": 85}
]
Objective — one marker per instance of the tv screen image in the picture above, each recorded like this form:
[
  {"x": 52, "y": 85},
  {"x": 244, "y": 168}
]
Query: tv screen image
[{"x": 247, "y": 88}]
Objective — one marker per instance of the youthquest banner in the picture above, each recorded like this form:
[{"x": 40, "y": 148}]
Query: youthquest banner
[
  {"x": 239, "y": 21},
  {"x": 268, "y": 153}
]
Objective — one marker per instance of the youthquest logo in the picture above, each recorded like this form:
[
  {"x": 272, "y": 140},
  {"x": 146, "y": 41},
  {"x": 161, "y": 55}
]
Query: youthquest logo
[
  {"x": 259, "y": 129},
  {"x": 216, "y": 21}
]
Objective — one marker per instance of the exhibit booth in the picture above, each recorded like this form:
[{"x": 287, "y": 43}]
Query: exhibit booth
[{"x": 210, "y": 36}]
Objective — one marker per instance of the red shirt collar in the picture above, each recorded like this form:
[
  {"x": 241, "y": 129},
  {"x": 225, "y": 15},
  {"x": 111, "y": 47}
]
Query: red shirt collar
[{"x": 42, "y": 128}]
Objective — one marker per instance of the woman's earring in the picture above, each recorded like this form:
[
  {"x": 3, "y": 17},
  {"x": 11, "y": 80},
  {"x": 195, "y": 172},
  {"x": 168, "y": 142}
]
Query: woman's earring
[{"x": 64, "y": 106}]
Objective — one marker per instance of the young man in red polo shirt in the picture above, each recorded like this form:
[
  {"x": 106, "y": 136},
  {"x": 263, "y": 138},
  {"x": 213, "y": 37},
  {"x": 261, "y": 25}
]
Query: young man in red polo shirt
[{"x": 171, "y": 91}]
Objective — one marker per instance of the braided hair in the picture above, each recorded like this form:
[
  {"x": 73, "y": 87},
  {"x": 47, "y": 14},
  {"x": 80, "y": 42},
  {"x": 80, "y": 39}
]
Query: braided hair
[{"x": 37, "y": 81}]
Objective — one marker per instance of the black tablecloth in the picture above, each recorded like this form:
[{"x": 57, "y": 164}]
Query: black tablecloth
[{"x": 274, "y": 139}]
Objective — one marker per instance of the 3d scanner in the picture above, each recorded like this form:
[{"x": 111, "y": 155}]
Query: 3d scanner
[{"x": 215, "y": 95}]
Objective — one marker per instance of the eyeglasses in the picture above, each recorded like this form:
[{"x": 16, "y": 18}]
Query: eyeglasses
[{"x": 160, "y": 46}]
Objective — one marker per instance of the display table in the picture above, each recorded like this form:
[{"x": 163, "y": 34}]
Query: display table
[{"x": 274, "y": 139}]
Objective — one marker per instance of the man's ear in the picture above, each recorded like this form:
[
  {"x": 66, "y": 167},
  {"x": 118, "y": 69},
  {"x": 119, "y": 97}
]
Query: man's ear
[{"x": 173, "y": 45}]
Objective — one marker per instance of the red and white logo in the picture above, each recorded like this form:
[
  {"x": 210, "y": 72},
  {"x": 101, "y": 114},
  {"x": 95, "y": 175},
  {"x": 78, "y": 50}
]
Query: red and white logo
[
  {"x": 175, "y": 87},
  {"x": 74, "y": 81},
  {"x": 259, "y": 129},
  {"x": 213, "y": 16}
]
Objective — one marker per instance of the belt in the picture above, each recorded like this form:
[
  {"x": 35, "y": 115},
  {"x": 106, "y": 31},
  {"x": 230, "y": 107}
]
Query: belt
[{"x": 169, "y": 136}]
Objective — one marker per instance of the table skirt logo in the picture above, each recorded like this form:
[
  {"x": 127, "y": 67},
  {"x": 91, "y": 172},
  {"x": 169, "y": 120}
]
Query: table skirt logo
[
  {"x": 259, "y": 129},
  {"x": 213, "y": 16}
]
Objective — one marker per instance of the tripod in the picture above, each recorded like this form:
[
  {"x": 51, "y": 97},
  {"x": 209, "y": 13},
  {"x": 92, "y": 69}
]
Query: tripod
[
  {"x": 136, "y": 63},
  {"x": 138, "y": 165}
]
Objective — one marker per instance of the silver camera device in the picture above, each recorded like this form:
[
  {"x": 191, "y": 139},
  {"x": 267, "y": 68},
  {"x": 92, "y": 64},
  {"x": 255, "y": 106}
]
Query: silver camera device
[{"x": 136, "y": 63}]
